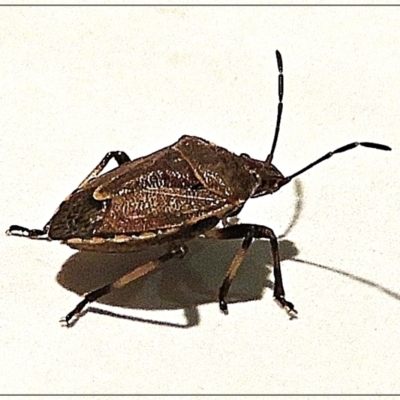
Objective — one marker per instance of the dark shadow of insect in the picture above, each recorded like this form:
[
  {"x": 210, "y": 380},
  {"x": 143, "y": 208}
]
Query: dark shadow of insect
[
  {"x": 353, "y": 277},
  {"x": 183, "y": 283},
  {"x": 189, "y": 282},
  {"x": 170, "y": 197}
]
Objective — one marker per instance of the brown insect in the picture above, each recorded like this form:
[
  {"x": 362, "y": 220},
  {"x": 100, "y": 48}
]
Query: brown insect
[{"x": 171, "y": 196}]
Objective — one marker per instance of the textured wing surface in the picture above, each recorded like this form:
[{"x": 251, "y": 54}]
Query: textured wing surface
[
  {"x": 155, "y": 192},
  {"x": 153, "y": 209}
]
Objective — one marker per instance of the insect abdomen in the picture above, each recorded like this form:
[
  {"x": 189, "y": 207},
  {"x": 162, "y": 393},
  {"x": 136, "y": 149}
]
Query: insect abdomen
[{"x": 79, "y": 215}]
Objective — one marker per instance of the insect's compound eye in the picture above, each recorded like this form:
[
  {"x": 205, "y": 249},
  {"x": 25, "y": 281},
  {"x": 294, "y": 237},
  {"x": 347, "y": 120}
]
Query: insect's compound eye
[{"x": 256, "y": 177}]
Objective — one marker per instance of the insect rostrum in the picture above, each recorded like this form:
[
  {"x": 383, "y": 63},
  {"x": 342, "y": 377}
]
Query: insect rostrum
[{"x": 171, "y": 196}]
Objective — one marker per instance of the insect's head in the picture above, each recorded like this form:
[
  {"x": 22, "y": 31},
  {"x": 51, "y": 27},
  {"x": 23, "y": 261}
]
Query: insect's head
[{"x": 269, "y": 179}]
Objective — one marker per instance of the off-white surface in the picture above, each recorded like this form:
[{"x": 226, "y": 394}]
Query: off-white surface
[{"x": 78, "y": 82}]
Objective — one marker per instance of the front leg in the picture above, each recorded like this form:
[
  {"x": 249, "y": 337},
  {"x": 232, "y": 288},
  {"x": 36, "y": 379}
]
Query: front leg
[
  {"x": 17, "y": 230},
  {"x": 250, "y": 232}
]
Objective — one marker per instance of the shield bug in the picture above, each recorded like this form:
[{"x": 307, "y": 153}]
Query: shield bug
[{"x": 171, "y": 196}]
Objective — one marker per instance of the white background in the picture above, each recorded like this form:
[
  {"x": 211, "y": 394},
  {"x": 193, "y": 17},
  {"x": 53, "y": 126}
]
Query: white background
[{"x": 78, "y": 82}]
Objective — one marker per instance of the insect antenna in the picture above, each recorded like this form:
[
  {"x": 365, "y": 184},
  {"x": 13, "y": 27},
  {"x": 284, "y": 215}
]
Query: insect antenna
[
  {"x": 331, "y": 153},
  {"x": 280, "y": 106}
]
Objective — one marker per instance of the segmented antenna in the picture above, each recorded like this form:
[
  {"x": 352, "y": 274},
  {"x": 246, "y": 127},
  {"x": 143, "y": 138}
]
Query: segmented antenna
[
  {"x": 280, "y": 106},
  {"x": 331, "y": 153}
]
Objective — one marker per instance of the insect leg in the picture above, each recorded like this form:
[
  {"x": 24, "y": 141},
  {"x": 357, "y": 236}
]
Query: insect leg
[
  {"x": 137, "y": 273},
  {"x": 17, "y": 230},
  {"x": 249, "y": 233},
  {"x": 120, "y": 157}
]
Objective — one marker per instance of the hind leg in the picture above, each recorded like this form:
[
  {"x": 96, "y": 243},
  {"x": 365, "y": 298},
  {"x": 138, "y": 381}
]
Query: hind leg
[
  {"x": 131, "y": 276},
  {"x": 42, "y": 234}
]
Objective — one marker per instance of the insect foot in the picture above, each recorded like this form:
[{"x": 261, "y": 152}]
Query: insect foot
[
  {"x": 16, "y": 230},
  {"x": 287, "y": 305}
]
